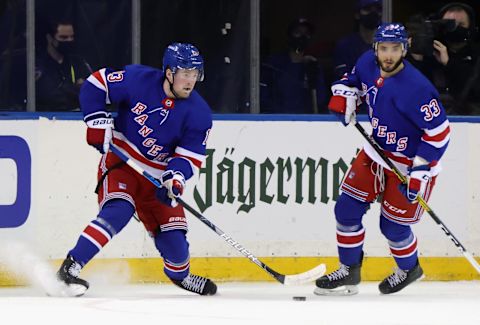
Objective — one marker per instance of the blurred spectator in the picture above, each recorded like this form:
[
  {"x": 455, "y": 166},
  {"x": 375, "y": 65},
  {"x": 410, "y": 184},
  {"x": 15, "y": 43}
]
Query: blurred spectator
[
  {"x": 368, "y": 16},
  {"x": 445, "y": 51},
  {"x": 292, "y": 82},
  {"x": 13, "y": 59},
  {"x": 13, "y": 76},
  {"x": 60, "y": 70}
]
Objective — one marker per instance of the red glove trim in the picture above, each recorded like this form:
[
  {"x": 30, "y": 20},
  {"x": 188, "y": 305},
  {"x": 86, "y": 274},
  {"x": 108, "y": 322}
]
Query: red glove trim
[
  {"x": 95, "y": 137},
  {"x": 338, "y": 104}
]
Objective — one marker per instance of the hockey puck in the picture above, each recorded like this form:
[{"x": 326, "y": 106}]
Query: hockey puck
[{"x": 299, "y": 298}]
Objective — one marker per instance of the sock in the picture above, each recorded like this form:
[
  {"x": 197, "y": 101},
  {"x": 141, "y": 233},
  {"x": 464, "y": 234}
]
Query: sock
[
  {"x": 405, "y": 252},
  {"x": 173, "y": 247},
  {"x": 350, "y": 231},
  {"x": 402, "y": 242},
  {"x": 350, "y": 243},
  {"x": 113, "y": 217}
]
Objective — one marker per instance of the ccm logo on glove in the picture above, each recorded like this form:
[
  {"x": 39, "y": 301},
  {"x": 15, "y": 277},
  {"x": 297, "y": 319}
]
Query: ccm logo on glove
[
  {"x": 343, "y": 103},
  {"x": 344, "y": 92}
]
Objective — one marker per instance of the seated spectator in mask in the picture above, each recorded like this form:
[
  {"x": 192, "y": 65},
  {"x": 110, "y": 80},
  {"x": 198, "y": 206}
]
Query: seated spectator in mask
[
  {"x": 292, "y": 82},
  {"x": 368, "y": 16},
  {"x": 60, "y": 70},
  {"x": 451, "y": 58}
]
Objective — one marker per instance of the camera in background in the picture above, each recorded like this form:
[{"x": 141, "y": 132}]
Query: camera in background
[{"x": 425, "y": 32}]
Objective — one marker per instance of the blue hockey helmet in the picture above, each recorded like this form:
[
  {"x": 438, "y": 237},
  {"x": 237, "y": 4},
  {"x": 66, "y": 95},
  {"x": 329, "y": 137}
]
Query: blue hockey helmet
[
  {"x": 391, "y": 32},
  {"x": 183, "y": 56}
]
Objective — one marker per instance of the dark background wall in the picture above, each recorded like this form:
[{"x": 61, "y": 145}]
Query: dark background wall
[
  {"x": 333, "y": 19},
  {"x": 102, "y": 28},
  {"x": 103, "y": 35},
  {"x": 203, "y": 23}
]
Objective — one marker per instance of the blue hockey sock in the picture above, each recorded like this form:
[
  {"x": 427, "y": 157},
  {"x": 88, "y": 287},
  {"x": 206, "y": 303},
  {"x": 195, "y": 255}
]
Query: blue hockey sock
[
  {"x": 113, "y": 217},
  {"x": 350, "y": 231},
  {"x": 402, "y": 242},
  {"x": 350, "y": 244},
  {"x": 173, "y": 247}
]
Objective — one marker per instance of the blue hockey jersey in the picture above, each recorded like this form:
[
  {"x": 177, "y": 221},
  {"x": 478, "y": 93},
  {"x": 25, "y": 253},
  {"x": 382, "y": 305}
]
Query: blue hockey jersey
[
  {"x": 404, "y": 110},
  {"x": 156, "y": 131}
]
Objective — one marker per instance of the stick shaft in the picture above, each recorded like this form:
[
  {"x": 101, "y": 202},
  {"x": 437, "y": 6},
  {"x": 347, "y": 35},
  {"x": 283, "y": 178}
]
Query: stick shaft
[
  {"x": 421, "y": 201},
  {"x": 240, "y": 248}
]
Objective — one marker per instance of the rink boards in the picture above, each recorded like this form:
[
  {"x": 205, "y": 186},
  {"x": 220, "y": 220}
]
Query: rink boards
[{"x": 269, "y": 184}]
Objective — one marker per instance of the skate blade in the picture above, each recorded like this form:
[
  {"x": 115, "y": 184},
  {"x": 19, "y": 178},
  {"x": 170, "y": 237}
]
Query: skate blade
[
  {"x": 74, "y": 290},
  {"x": 348, "y": 290}
]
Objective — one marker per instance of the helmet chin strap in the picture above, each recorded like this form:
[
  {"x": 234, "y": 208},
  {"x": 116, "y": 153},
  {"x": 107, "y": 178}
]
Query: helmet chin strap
[{"x": 171, "y": 86}]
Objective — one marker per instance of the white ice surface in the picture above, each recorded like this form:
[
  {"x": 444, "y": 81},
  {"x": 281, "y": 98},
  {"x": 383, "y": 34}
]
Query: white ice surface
[{"x": 434, "y": 303}]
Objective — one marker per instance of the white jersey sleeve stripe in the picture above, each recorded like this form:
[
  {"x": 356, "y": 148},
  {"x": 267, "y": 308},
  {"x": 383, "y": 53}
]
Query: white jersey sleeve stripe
[
  {"x": 193, "y": 167},
  {"x": 438, "y": 144},
  {"x": 195, "y": 158},
  {"x": 184, "y": 152},
  {"x": 439, "y": 136},
  {"x": 94, "y": 81},
  {"x": 98, "y": 79},
  {"x": 439, "y": 129},
  {"x": 104, "y": 77}
]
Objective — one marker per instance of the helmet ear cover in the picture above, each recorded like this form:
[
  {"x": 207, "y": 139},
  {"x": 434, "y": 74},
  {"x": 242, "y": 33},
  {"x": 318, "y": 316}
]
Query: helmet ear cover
[{"x": 183, "y": 56}]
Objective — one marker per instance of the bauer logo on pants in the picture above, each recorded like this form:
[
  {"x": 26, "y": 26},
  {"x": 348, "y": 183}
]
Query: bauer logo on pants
[{"x": 15, "y": 181}]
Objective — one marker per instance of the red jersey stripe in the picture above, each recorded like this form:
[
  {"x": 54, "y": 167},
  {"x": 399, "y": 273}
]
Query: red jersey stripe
[
  {"x": 437, "y": 138},
  {"x": 194, "y": 161},
  {"x": 402, "y": 160},
  {"x": 135, "y": 155},
  {"x": 98, "y": 76}
]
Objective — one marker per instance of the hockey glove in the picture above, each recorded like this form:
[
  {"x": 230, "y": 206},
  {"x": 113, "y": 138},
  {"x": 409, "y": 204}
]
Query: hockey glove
[
  {"x": 418, "y": 178},
  {"x": 173, "y": 184},
  {"x": 344, "y": 103},
  {"x": 99, "y": 133}
]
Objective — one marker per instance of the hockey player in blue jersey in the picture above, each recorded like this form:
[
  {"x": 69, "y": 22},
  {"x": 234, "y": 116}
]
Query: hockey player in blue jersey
[
  {"x": 162, "y": 124},
  {"x": 410, "y": 125}
]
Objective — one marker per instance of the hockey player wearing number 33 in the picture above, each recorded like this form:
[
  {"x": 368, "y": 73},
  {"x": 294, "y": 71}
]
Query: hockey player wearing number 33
[
  {"x": 163, "y": 125},
  {"x": 410, "y": 125}
]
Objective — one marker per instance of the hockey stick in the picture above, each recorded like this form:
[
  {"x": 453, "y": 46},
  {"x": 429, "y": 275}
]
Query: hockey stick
[
  {"x": 308, "y": 276},
  {"x": 421, "y": 201}
]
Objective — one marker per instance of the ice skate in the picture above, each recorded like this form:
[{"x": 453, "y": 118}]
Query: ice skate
[
  {"x": 68, "y": 275},
  {"x": 197, "y": 284},
  {"x": 400, "y": 279},
  {"x": 342, "y": 282}
]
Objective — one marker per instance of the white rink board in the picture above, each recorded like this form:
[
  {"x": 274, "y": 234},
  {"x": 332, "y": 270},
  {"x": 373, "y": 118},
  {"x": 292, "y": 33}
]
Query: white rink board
[{"x": 64, "y": 177}]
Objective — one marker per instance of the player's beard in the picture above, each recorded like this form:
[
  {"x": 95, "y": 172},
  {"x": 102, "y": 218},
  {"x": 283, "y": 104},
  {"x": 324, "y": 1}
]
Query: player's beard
[
  {"x": 181, "y": 94},
  {"x": 184, "y": 94},
  {"x": 392, "y": 68}
]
